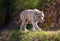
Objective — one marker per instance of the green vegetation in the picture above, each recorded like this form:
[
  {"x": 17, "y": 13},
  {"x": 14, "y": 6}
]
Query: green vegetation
[
  {"x": 29, "y": 4},
  {"x": 16, "y": 35}
]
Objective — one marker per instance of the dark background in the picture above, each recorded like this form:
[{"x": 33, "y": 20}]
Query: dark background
[{"x": 11, "y": 9}]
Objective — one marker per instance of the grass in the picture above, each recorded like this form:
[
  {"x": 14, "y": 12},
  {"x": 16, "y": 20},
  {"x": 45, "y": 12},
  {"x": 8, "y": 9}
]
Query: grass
[{"x": 16, "y": 35}]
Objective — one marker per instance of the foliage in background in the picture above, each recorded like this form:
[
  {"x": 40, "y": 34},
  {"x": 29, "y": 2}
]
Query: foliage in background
[
  {"x": 28, "y": 4},
  {"x": 19, "y": 5}
]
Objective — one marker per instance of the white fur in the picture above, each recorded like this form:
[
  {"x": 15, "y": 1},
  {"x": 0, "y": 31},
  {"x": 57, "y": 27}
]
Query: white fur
[{"x": 29, "y": 16}]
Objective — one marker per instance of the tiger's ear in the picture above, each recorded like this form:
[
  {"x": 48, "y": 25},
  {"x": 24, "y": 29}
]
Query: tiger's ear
[{"x": 35, "y": 9}]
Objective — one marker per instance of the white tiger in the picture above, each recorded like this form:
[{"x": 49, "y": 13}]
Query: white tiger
[{"x": 32, "y": 17}]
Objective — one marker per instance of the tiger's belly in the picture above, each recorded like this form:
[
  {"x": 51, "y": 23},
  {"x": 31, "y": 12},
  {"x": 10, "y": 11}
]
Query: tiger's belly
[{"x": 29, "y": 18}]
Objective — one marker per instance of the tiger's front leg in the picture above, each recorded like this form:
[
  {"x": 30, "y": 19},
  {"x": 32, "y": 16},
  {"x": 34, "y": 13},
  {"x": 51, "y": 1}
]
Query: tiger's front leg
[{"x": 35, "y": 26}]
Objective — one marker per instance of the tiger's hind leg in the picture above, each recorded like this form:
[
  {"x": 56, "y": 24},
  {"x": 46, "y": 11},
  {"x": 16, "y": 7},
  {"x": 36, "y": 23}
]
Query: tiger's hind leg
[{"x": 23, "y": 26}]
